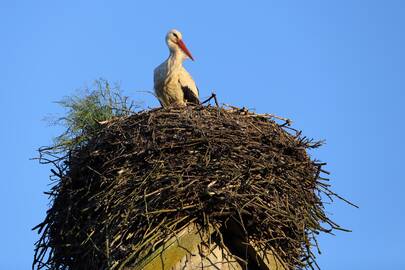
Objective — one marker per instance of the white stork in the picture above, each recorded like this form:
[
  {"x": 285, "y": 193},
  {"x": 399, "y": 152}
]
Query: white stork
[{"x": 173, "y": 84}]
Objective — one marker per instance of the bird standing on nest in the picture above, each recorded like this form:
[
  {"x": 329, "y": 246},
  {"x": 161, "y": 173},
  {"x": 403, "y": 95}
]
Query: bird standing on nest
[{"x": 173, "y": 84}]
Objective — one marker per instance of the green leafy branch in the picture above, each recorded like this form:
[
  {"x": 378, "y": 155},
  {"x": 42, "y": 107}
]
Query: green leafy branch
[{"x": 85, "y": 113}]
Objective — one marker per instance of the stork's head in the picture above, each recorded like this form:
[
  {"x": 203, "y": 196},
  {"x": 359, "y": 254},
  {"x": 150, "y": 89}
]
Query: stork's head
[{"x": 175, "y": 43}]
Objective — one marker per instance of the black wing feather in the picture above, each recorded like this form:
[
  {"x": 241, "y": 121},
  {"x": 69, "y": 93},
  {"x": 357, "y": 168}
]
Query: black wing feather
[{"x": 189, "y": 95}]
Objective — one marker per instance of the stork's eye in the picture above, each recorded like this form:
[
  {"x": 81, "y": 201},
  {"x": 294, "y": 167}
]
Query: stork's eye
[{"x": 174, "y": 34}]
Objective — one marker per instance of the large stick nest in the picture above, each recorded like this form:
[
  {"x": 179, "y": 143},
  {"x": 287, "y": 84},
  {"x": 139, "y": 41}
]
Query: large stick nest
[{"x": 142, "y": 178}]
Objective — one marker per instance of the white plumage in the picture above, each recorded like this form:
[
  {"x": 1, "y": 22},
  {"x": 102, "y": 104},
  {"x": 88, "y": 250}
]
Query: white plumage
[{"x": 172, "y": 83}]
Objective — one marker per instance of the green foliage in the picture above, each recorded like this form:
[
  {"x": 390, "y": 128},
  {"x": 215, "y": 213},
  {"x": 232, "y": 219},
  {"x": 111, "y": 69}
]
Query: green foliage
[{"x": 86, "y": 113}]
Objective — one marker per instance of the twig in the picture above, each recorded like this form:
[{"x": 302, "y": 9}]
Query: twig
[{"x": 213, "y": 96}]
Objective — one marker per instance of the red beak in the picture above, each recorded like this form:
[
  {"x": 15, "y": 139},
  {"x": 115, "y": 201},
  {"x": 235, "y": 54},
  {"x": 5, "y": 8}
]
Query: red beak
[{"x": 184, "y": 48}]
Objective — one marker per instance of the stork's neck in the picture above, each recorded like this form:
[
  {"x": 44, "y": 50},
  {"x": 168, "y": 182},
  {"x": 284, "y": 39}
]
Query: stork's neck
[{"x": 176, "y": 58}]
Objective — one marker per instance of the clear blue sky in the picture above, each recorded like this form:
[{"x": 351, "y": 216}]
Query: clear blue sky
[{"x": 335, "y": 67}]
